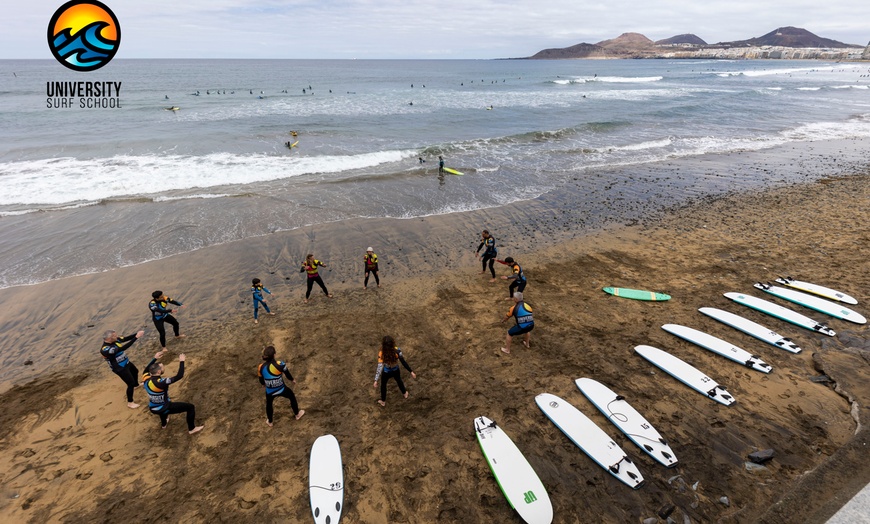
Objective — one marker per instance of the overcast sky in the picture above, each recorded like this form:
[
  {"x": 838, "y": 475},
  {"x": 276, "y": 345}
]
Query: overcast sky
[{"x": 430, "y": 29}]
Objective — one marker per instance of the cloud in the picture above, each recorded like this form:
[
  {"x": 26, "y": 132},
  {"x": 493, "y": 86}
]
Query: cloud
[{"x": 435, "y": 29}]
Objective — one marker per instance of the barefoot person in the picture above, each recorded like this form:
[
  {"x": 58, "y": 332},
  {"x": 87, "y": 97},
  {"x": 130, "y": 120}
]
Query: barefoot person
[
  {"x": 161, "y": 314},
  {"x": 257, "y": 289},
  {"x": 489, "y": 253},
  {"x": 157, "y": 388},
  {"x": 522, "y": 313},
  {"x": 518, "y": 277},
  {"x": 269, "y": 372},
  {"x": 371, "y": 262},
  {"x": 114, "y": 350},
  {"x": 389, "y": 358},
  {"x": 310, "y": 266}
]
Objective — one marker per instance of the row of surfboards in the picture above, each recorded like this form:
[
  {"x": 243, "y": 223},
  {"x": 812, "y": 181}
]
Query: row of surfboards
[
  {"x": 517, "y": 479},
  {"x": 515, "y": 476}
]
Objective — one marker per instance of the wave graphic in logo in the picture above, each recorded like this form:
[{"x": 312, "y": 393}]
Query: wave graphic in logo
[{"x": 84, "y": 35}]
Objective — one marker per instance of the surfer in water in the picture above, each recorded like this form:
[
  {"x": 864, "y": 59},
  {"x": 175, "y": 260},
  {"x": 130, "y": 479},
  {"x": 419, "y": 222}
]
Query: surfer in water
[
  {"x": 440, "y": 164},
  {"x": 518, "y": 277},
  {"x": 371, "y": 262},
  {"x": 269, "y": 372},
  {"x": 310, "y": 266},
  {"x": 522, "y": 313},
  {"x": 489, "y": 253},
  {"x": 389, "y": 358}
]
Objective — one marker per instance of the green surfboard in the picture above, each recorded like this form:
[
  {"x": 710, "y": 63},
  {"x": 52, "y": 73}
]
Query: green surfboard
[{"x": 636, "y": 294}]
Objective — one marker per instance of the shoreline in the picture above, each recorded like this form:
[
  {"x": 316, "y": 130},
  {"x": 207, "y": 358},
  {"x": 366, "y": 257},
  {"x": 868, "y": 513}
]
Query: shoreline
[{"x": 416, "y": 460}]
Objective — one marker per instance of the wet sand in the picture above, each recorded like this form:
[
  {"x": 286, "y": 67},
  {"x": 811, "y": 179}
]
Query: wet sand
[{"x": 75, "y": 453}]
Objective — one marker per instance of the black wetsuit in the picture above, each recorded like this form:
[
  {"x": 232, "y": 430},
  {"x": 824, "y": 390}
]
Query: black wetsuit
[
  {"x": 269, "y": 374},
  {"x": 489, "y": 253},
  {"x": 115, "y": 355},
  {"x": 387, "y": 371},
  {"x": 519, "y": 280},
  {"x": 313, "y": 276},
  {"x": 158, "y": 398},
  {"x": 160, "y": 313},
  {"x": 371, "y": 263}
]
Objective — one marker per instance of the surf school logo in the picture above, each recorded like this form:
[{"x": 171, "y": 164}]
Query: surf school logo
[{"x": 84, "y": 35}]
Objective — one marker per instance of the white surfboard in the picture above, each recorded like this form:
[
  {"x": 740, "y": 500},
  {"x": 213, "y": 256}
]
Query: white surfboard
[
  {"x": 751, "y": 328},
  {"x": 813, "y": 302},
  {"x": 628, "y": 420},
  {"x": 782, "y": 313},
  {"x": 519, "y": 483},
  {"x": 822, "y": 291},
  {"x": 590, "y": 438},
  {"x": 719, "y": 346},
  {"x": 687, "y": 374},
  {"x": 326, "y": 480}
]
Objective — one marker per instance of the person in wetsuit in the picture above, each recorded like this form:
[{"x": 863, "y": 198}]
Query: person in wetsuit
[
  {"x": 157, "y": 388},
  {"x": 114, "y": 351},
  {"x": 310, "y": 266},
  {"x": 389, "y": 358},
  {"x": 161, "y": 313},
  {"x": 522, "y": 313},
  {"x": 371, "y": 262},
  {"x": 257, "y": 289},
  {"x": 269, "y": 372},
  {"x": 518, "y": 277},
  {"x": 489, "y": 253},
  {"x": 440, "y": 164}
]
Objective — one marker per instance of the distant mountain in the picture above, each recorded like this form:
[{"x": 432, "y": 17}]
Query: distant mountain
[
  {"x": 636, "y": 45},
  {"x": 682, "y": 39},
  {"x": 575, "y": 51},
  {"x": 789, "y": 37},
  {"x": 627, "y": 43}
]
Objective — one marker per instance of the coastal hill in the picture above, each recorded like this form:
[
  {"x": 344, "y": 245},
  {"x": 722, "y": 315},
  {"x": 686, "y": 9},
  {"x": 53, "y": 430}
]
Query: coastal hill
[
  {"x": 790, "y": 37},
  {"x": 636, "y": 45},
  {"x": 682, "y": 39}
]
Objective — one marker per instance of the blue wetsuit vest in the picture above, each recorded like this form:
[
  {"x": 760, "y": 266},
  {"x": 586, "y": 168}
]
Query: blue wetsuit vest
[
  {"x": 523, "y": 315},
  {"x": 271, "y": 372},
  {"x": 258, "y": 292}
]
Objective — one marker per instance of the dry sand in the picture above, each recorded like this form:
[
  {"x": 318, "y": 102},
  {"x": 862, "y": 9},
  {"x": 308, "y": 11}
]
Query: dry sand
[{"x": 73, "y": 452}]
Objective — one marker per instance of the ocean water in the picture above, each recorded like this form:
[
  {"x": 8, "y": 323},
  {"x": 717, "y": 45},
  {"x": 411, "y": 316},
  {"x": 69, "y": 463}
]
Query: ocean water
[{"x": 91, "y": 189}]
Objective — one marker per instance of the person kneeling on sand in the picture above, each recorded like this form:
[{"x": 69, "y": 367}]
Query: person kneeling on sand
[
  {"x": 522, "y": 313},
  {"x": 269, "y": 372},
  {"x": 388, "y": 367},
  {"x": 157, "y": 388}
]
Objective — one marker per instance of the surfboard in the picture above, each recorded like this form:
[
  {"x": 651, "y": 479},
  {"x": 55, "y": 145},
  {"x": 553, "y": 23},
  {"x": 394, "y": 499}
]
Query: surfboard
[
  {"x": 173, "y": 108},
  {"x": 519, "y": 483},
  {"x": 813, "y": 302},
  {"x": 636, "y": 294},
  {"x": 452, "y": 171},
  {"x": 719, "y": 346},
  {"x": 326, "y": 480},
  {"x": 751, "y": 328},
  {"x": 686, "y": 373},
  {"x": 815, "y": 289},
  {"x": 591, "y": 439},
  {"x": 777, "y": 311},
  {"x": 628, "y": 420}
]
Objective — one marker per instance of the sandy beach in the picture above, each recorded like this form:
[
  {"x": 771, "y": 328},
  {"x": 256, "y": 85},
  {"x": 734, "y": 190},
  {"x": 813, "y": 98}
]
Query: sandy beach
[{"x": 75, "y": 453}]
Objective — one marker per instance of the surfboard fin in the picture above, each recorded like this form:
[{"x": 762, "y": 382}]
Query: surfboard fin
[
  {"x": 620, "y": 397},
  {"x": 648, "y": 447}
]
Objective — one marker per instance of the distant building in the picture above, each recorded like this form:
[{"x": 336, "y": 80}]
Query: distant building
[{"x": 866, "y": 55}]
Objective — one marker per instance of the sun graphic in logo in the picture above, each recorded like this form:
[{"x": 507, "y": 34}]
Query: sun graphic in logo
[{"x": 84, "y": 35}]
